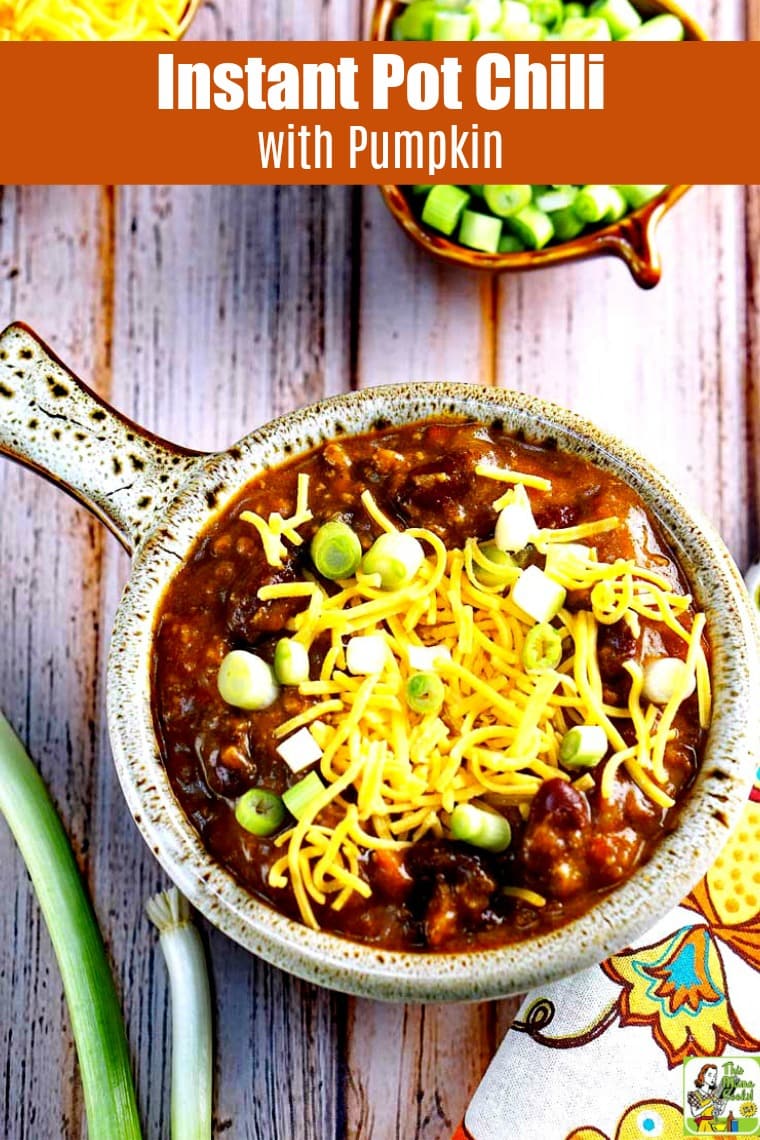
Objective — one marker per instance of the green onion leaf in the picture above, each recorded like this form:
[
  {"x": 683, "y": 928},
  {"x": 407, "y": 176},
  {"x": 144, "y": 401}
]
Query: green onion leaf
[
  {"x": 479, "y": 828},
  {"x": 192, "y": 1055},
  {"x": 336, "y": 551},
  {"x": 96, "y": 1019},
  {"x": 260, "y": 811}
]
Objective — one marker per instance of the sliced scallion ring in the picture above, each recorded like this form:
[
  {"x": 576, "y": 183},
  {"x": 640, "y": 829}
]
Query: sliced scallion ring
[
  {"x": 260, "y": 811},
  {"x": 425, "y": 693},
  {"x": 583, "y": 746},
  {"x": 396, "y": 557},
  {"x": 291, "y": 662},
  {"x": 542, "y": 648},
  {"x": 480, "y": 828},
  {"x": 246, "y": 681},
  {"x": 336, "y": 551}
]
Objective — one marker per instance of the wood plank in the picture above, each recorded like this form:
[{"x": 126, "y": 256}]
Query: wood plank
[
  {"x": 51, "y": 555},
  {"x": 254, "y": 323}
]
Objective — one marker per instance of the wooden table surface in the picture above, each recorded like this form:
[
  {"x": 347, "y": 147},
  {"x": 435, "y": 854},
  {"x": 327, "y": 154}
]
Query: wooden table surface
[{"x": 202, "y": 312}]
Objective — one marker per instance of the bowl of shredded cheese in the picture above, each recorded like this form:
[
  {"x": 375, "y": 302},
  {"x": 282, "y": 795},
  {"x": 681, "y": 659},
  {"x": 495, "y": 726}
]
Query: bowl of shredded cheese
[{"x": 93, "y": 20}]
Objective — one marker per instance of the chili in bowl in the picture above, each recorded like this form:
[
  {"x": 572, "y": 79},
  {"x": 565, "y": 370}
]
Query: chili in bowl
[
  {"x": 499, "y": 583},
  {"x": 432, "y": 687}
]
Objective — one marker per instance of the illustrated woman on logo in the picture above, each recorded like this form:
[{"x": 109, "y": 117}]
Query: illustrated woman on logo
[{"x": 705, "y": 1103}]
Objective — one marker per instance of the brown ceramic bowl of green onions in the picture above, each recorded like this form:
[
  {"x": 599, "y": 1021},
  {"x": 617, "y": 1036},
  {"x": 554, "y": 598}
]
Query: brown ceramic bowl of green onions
[{"x": 530, "y": 226}]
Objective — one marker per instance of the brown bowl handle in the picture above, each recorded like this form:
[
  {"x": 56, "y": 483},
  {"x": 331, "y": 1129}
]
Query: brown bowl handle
[
  {"x": 634, "y": 239},
  {"x": 52, "y": 422}
]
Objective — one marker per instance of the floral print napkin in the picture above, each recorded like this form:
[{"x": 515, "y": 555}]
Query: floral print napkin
[{"x": 661, "y": 1040}]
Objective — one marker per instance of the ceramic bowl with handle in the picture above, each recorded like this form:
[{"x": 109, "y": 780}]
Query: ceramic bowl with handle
[
  {"x": 633, "y": 238},
  {"x": 157, "y": 498}
]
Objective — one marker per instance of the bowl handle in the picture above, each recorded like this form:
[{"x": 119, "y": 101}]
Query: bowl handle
[{"x": 52, "y": 422}]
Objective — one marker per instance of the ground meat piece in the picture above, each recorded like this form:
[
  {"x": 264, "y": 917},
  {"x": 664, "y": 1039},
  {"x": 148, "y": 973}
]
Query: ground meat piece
[
  {"x": 228, "y": 770},
  {"x": 615, "y": 645},
  {"x": 248, "y": 618},
  {"x": 611, "y": 857},
  {"x": 389, "y": 875},
  {"x": 454, "y": 889}
]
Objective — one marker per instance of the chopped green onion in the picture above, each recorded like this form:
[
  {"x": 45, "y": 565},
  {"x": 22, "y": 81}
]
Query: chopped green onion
[
  {"x": 537, "y": 595},
  {"x": 96, "y": 1019},
  {"x": 554, "y": 198},
  {"x": 664, "y": 676},
  {"x": 547, "y": 12},
  {"x": 617, "y": 207},
  {"x": 491, "y": 37},
  {"x": 300, "y": 750},
  {"x": 532, "y": 226},
  {"x": 665, "y": 27},
  {"x": 510, "y": 243},
  {"x": 192, "y": 1051},
  {"x": 260, "y": 811},
  {"x": 485, "y": 14},
  {"x": 567, "y": 224},
  {"x": 422, "y": 188},
  {"x": 480, "y": 231},
  {"x": 515, "y": 526},
  {"x": 416, "y": 21},
  {"x": 443, "y": 208},
  {"x": 514, "y": 12},
  {"x": 574, "y": 12},
  {"x": 585, "y": 29},
  {"x": 506, "y": 200},
  {"x": 425, "y": 693},
  {"x": 620, "y": 16},
  {"x": 396, "y": 557},
  {"x": 291, "y": 662},
  {"x": 502, "y": 569},
  {"x": 245, "y": 681},
  {"x": 336, "y": 551},
  {"x": 298, "y": 798},
  {"x": 593, "y": 202},
  {"x": 366, "y": 654},
  {"x": 451, "y": 26},
  {"x": 637, "y": 196},
  {"x": 479, "y": 828},
  {"x": 542, "y": 648},
  {"x": 583, "y": 746},
  {"x": 519, "y": 32}
]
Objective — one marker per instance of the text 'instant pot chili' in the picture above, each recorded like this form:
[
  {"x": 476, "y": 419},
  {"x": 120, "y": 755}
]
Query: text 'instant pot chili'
[{"x": 432, "y": 688}]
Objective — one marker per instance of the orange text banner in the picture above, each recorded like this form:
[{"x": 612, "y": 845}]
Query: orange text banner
[{"x": 367, "y": 113}]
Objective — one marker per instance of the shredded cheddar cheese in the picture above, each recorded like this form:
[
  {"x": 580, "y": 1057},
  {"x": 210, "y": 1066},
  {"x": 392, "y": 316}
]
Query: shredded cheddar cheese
[
  {"x": 93, "y": 19},
  {"x": 393, "y": 776},
  {"x": 275, "y": 528}
]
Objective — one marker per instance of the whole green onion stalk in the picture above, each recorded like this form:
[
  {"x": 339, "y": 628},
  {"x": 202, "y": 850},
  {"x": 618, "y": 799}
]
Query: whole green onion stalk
[
  {"x": 96, "y": 1018},
  {"x": 192, "y": 1057}
]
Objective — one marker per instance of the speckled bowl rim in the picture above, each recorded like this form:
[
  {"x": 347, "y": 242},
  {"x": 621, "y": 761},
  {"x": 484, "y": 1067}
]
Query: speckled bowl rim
[{"x": 711, "y": 809}]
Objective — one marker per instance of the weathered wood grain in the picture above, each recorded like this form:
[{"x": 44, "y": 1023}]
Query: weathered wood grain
[
  {"x": 51, "y": 558},
  {"x": 202, "y": 311}
]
